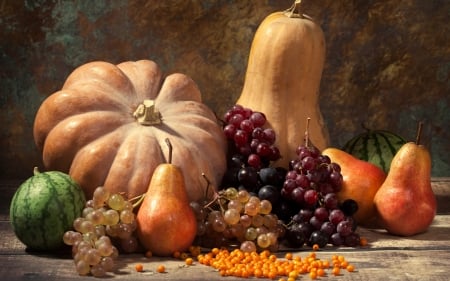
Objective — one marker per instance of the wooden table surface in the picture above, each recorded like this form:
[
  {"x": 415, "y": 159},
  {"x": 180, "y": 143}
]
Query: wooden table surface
[{"x": 422, "y": 257}]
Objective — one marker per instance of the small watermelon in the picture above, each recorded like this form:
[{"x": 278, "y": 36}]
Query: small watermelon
[
  {"x": 44, "y": 208},
  {"x": 375, "y": 146}
]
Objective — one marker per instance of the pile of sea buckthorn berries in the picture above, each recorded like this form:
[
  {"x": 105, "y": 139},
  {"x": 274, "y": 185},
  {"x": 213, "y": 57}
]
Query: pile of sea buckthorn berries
[{"x": 265, "y": 264}]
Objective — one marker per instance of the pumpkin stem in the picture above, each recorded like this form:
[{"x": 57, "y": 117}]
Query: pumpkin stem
[
  {"x": 170, "y": 150},
  {"x": 146, "y": 113},
  {"x": 419, "y": 132}
]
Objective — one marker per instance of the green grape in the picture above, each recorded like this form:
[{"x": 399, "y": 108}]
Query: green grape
[
  {"x": 251, "y": 208},
  {"x": 245, "y": 220},
  {"x": 270, "y": 221},
  {"x": 230, "y": 193},
  {"x": 235, "y": 204},
  {"x": 248, "y": 246},
  {"x": 86, "y": 211},
  {"x": 100, "y": 230},
  {"x": 111, "y": 217},
  {"x": 90, "y": 237},
  {"x": 101, "y": 195},
  {"x": 251, "y": 234},
  {"x": 126, "y": 216},
  {"x": 71, "y": 237},
  {"x": 82, "y": 267},
  {"x": 243, "y": 196},
  {"x": 265, "y": 207},
  {"x": 86, "y": 226},
  {"x": 273, "y": 237},
  {"x": 104, "y": 248},
  {"x": 77, "y": 223},
  {"x": 93, "y": 256},
  {"x": 97, "y": 270},
  {"x": 107, "y": 263},
  {"x": 263, "y": 241},
  {"x": 116, "y": 202},
  {"x": 219, "y": 224},
  {"x": 231, "y": 216},
  {"x": 257, "y": 221},
  {"x": 96, "y": 217}
]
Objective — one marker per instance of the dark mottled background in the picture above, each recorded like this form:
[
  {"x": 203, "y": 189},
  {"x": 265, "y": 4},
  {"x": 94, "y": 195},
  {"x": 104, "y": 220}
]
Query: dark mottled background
[{"x": 387, "y": 64}]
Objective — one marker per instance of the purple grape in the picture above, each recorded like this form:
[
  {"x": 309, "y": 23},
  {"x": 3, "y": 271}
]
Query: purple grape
[
  {"x": 311, "y": 197},
  {"x": 229, "y": 131},
  {"x": 269, "y": 135},
  {"x": 302, "y": 180},
  {"x": 236, "y": 120},
  {"x": 321, "y": 214},
  {"x": 258, "y": 133},
  {"x": 336, "y": 216},
  {"x": 263, "y": 149},
  {"x": 308, "y": 163},
  {"x": 240, "y": 138},
  {"x": 258, "y": 119},
  {"x": 336, "y": 239},
  {"x": 254, "y": 160},
  {"x": 344, "y": 228},
  {"x": 305, "y": 214},
  {"x": 315, "y": 222},
  {"x": 330, "y": 201},
  {"x": 352, "y": 240},
  {"x": 319, "y": 238},
  {"x": 247, "y": 126},
  {"x": 328, "y": 228}
]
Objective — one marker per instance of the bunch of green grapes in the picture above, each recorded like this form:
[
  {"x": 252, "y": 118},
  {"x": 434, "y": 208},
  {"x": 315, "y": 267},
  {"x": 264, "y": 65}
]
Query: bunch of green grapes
[
  {"x": 106, "y": 218},
  {"x": 237, "y": 218}
]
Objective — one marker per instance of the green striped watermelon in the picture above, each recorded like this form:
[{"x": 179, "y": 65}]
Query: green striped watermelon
[
  {"x": 44, "y": 207},
  {"x": 375, "y": 146}
]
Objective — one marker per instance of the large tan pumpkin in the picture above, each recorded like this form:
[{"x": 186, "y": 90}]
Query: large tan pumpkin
[
  {"x": 283, "y": 77},
  {"x": 108, "y": 124}
]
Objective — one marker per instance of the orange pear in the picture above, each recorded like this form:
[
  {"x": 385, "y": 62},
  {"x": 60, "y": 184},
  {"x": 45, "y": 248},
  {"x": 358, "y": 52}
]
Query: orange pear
[
  {"x": 405, "y": 203},
  {"x": 361, "y": 181},
  {"x": 166, "y": 222}
]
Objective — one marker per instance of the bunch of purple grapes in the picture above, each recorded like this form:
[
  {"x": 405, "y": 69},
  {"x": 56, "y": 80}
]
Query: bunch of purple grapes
[
  {"x": 251, "y": 147},
  {"x": 245, "y": 128},
  {"x": 312, "y": 183}
]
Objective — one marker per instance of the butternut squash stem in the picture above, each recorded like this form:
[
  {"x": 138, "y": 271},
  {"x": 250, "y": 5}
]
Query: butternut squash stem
[
  {"x": 294, "y": 10},
  {"x": 419, "y": 132},
  {"x": 170, "y": 150}
]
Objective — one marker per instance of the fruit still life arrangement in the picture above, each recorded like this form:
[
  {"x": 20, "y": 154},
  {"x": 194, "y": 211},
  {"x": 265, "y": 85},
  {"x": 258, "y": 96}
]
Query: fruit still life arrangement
[{"x": 136, "y": 163}]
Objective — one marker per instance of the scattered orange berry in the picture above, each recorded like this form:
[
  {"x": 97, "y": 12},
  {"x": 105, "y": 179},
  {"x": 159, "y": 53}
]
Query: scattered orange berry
[
  {"x": 350, "y": 268},
  {"x": 189, "y": 261},
  {"x": 161, "y": 268},
  {"x": 139, "y": 267},
  {"x": 363, "y": 241},
  {"x": 315, "y": 247}
]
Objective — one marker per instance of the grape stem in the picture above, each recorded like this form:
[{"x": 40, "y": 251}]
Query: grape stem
[{"x": 307, "y": 132}]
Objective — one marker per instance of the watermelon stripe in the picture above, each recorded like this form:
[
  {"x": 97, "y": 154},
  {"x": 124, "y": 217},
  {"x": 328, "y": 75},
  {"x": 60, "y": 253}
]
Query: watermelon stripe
[{"x": 375, "y": 146}]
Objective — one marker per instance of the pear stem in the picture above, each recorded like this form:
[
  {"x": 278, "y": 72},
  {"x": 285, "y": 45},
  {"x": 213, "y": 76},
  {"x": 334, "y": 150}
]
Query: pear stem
[
  {"x": 170, "y": 150},
  {"x": 419, "y": 132}
]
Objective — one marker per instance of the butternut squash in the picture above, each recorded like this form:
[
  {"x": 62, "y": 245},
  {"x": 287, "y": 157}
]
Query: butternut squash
[{"x": 283, "y": 77}]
